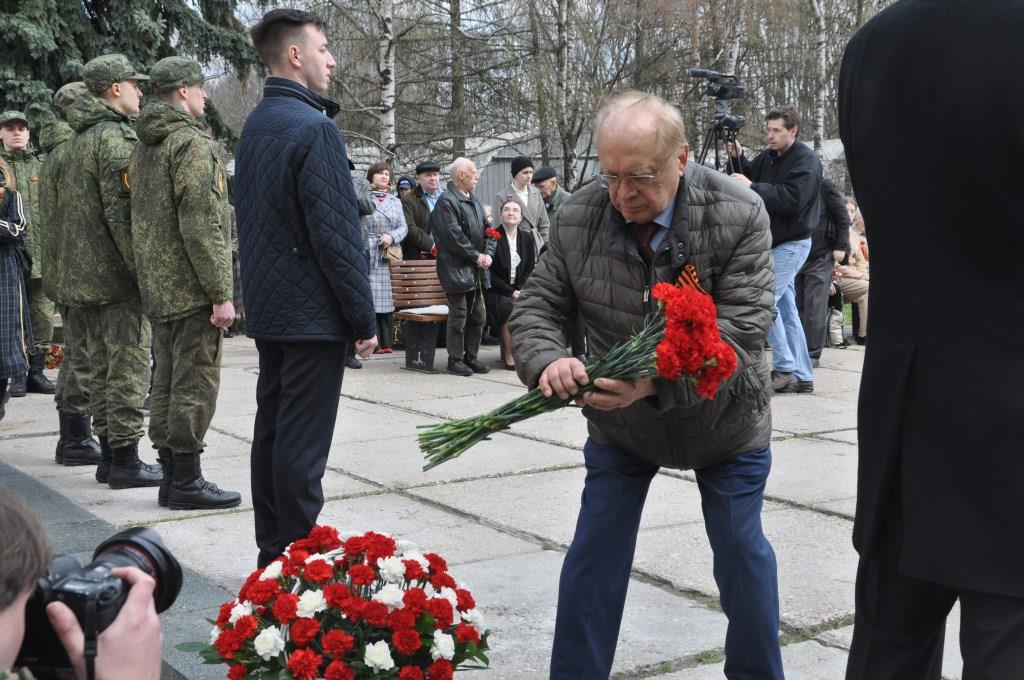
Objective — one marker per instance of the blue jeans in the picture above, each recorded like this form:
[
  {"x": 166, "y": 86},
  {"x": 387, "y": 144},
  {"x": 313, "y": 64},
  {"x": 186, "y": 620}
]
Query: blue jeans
[
  {"x": 595, "y": 574},
  {"x": 786, "y": 336}
]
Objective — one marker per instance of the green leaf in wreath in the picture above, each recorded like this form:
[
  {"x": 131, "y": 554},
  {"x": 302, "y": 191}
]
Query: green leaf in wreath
[{"x": 192, "y": 647}]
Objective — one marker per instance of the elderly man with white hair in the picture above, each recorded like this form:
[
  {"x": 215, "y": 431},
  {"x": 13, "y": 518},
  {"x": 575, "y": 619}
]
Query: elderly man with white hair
[
  {"x": 651, "y": 215},
  {"x": 457, "y": 224}
]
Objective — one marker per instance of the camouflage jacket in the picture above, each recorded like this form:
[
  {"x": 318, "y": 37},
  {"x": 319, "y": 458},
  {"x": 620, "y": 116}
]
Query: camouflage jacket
[
  {"x": 181, "y": 229},
  {"x": 95, "y": 262},
  {"x": 25, "y": 164},
  {"x": 49, "y": 224}
]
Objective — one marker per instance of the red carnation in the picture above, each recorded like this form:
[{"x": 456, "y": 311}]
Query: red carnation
[
  {"x": 228, "y": 642},
  {"x": 297, "y": 557},
  {"x": 378, "y": 546},
  {"x": 401, "y": 618},
  {"x": 464, "y": 634},
  {"x": 304, "y": 630},
  {"x": 493, "y": 233},
  {"x": 362, "y": 575},
  {"x": 410, "y": 673},
  {"x": 225, "y": 613},
  {"x": 246, "y": 626},
  {"x": 437, "y": 563},
  {"x": 305, "y": 664},
  {"x": 442, "y": 581},
  {"x": 325, "y": 538},
  {"x": 337, "y": 594},
  {"x": 318, "y": 571},
  {"x": 413, "y": 570},
  {"x": 415, "y": 599},
  {"x": 441, "y": 610},
  {"x": 237, "y": 672},
  {"x": 375, "y": 613},
  {"x": 262, "y": 591},
  {"x": 285, "y": 607},
  {"x": 354, "y": 609},
  {"x": 406, "y": 642},
  {"x": 441, "y": 670},
  {"x": 252, "y": 578},
  {"x": 465, "y": 599},
  {"x": 337, "y": 643},
  {"x": 336, "y": 670}
]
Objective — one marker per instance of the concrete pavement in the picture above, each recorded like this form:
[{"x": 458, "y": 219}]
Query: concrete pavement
[{"x": 502, "y": 515}]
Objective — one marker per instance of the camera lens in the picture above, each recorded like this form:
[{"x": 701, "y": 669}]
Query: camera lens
[{"x": 143, "y": 548}]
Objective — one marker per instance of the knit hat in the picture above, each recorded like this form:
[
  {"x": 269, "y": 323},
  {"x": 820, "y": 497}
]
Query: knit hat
[
  {"x": 520, "y": 163},
  {"x": 404, "y": 183},
  {"x": 544, "y": 172}
]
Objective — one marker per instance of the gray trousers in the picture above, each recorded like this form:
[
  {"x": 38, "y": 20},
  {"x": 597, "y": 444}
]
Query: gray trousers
[
  {"x": 466, "y": 316},
  {"x": 812, "y": 300}
]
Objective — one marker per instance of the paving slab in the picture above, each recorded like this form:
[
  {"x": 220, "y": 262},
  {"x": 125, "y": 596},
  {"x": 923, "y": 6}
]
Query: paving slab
[
  {"x": 806, "y": 413},
  {"x": 808, "y": 660},
  {"x": 812, "y": 472}
]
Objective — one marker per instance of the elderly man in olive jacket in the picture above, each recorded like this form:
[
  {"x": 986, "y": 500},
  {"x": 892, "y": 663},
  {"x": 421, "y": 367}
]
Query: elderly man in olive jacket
[
  {"x": 652, "y": 214},
  {"x": 181, "y": 233}
]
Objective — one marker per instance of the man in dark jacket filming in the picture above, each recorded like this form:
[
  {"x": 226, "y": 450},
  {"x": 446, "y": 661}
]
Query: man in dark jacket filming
[
  {"x": 304, "y": 274},
  {"x": 787, "y": 177},
  {"x": 651, "y": 214}
]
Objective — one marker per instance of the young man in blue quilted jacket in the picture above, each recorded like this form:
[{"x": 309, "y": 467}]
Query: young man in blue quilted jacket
[{"x": 304, "y": 274}]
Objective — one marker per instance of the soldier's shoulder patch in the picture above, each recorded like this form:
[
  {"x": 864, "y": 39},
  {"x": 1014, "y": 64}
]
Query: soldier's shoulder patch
[
  {"x": 222, "y": 182},
  {"x": 34, "y": 178},
  {"x": 126, "y": 180}
]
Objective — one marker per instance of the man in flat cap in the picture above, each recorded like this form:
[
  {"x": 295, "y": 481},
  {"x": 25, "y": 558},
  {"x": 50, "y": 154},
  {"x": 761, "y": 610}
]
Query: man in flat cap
[
  {"x": 535, "y": 217},
  {"x": 546, "y": 181},
  {"x": 76, "y": 445},
  {"x": 417, "y": 206},
  {"x": 180, "y": 210},
  {"x": 96, "y": 264},
  {"x": 19, "y": 154}
]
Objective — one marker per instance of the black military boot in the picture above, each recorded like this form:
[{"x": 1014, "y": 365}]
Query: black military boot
[
  {"x": 76, "y": 445},
  {"x": 106, "y": 460},
  {"x": 18, "y": 386},
  {"x": 167, "y": 467},
  {"x": 37, "y": 381},
  {"x": 4, "y": 396},
  {"x": 189, "y": 491},
  {"x": 128, "y": 472},
  {"x": 475, "y": 365}
]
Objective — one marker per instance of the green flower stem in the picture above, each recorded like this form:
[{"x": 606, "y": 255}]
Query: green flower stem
[{"x": 630, "y": 360}]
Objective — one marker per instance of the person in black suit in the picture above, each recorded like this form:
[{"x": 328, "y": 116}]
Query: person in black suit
[
  {"x": 509, "y": 272},
  {"x": 940, "y": 498},
  {"x": 304, "y": 274}
]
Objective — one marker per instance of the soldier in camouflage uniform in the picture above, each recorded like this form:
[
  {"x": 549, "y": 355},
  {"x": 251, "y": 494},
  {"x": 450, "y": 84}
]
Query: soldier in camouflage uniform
[
  {"x": 96, "y": 266},
  {"x": 76, "y": 445},
  {"x": 181, "y": 233},
  {"x": 16, "y": 150}
]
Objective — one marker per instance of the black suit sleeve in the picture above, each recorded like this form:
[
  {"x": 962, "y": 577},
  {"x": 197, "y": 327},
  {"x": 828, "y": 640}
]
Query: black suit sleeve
[{"x": 835, "y": 212}]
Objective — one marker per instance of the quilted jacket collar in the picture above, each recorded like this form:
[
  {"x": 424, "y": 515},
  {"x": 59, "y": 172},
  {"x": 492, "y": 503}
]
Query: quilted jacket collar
[
  {"x": 677, "y": 240},
  {"x": 283, "y": 87}
]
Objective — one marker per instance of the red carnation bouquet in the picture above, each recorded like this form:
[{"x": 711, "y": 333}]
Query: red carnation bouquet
[
  {"x": 492, "y": 233},
  {"x": 54, "y": 356},
  {"x": 680, "y": 340},
  {"x": 348, "y": 609}
]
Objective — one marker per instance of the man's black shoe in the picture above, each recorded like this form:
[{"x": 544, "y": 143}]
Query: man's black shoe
[
  {"x": 815, "y": 363},
  {"x": 861, "y": 339},
  {"x": 489, "y": 340},
  {"x": 18, "y": 386},
  {"x": 475, "y": 365},
  {"x": 36, "y": 380},
  {"x": 804, "y": 386},
  {"x": 352, "y": 362},
  {"x": 784, "y": 383},
  {"x": 456, "y": 367}
]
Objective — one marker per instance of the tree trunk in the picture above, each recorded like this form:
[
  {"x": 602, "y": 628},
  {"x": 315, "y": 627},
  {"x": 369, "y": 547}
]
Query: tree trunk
[
  {"x": 538, "y": 68},
  {"x": 386, "y": 69},
  {"x": 565, "y": 136},
  {"x": 458, "y": 112},
  {"x": 820, "y": 37}
]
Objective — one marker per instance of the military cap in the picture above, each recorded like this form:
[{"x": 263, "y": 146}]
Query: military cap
[
  {"x": 13, "y": 116},
  {"x": 428, "y": 166},
  {"x": 544, "y": 172},
  {"x": 173, "y": 72},
  {"x": 103, "y": 71},
  {"x": 68, "y": 95}
]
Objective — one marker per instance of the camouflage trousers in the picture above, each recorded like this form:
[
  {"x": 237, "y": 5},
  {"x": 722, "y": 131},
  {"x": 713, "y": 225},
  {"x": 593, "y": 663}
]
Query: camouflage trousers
[
  {"x": 40, "y": 313},
  {"x": 72, "y": 395},
  {"x": 186, "y": 379},
  {"x": 115, "y": 339}
]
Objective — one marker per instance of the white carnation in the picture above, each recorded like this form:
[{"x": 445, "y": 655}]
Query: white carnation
[
  {"x": 390, "y": 595},
  {"x": 378, "y": 656},
  {"x": 311, "y": 602},
  {"x": 239, "y": 610},
  {"x": 269, "y": 643},
  {"x": 273, "y": 570},
  {"x": 444, "y": 646},
  {"x": 391, "y": 569},
  {"x": 449, "y": 594},
  {"x": 316, "y": 556},
  {"x": 214, "y": 634},
  {"x": 475, "y": 618},
  {"x": 418, "y": 557}
]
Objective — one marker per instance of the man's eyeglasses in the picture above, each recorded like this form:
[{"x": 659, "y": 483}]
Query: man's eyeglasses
[{"x": 640, "y": 181}]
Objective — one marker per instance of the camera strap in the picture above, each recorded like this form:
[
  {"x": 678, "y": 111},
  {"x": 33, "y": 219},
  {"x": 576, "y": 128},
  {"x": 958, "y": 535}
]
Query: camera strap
[{"x": 91, "y": 638}]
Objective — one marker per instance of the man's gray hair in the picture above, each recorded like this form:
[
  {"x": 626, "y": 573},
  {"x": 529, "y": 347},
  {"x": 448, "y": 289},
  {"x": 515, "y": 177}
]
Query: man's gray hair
[
  {"x": 670, "y": 125},
  {"x": 458, "y": 165}
]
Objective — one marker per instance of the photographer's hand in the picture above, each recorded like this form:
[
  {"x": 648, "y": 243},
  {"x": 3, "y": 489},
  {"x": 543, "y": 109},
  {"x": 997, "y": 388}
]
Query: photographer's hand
[
  {"x": 735, "y": 149},
  {"x": 131, "y": 647}
]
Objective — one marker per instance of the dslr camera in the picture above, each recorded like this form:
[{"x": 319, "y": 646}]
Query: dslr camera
[{"x": 94, "y": 595}]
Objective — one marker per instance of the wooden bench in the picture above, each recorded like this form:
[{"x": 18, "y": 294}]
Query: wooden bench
[{"x": 414, "y": 284}]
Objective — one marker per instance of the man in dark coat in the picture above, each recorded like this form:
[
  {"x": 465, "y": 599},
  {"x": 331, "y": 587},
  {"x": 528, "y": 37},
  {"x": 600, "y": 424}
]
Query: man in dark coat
[
  {"x": 940, "y": 497},
  {"x": 830, "y": 245},
  {"x": 304, "y": 274},
  {"x": 417, "y": 205},
  {"x": 457, "y": 224}
]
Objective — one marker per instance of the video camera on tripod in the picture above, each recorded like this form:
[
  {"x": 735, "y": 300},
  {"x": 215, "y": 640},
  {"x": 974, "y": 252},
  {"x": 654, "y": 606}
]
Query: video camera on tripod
[{"x": 724, "y": 87}]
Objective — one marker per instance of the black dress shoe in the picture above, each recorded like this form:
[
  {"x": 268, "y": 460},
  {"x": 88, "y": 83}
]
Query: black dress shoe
[
  {"x": 352, "y": 362},
  {"x": 456, "y": 367},
  {"x": 861, "y": 339},
  {"x": 475, "y": 365}
]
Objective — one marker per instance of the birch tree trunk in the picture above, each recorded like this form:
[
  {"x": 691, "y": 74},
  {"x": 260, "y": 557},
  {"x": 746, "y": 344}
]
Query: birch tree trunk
[
  {"x": 458, "y": 112},
  {"x": 820, "y": 36},
  {"x": 386, "y": 69},
  {"x": 568, "y": 142},
  {"x": 539, "y": 67}
]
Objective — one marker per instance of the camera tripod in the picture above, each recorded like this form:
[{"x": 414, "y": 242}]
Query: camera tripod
[{"x": 721, "y": 131}]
